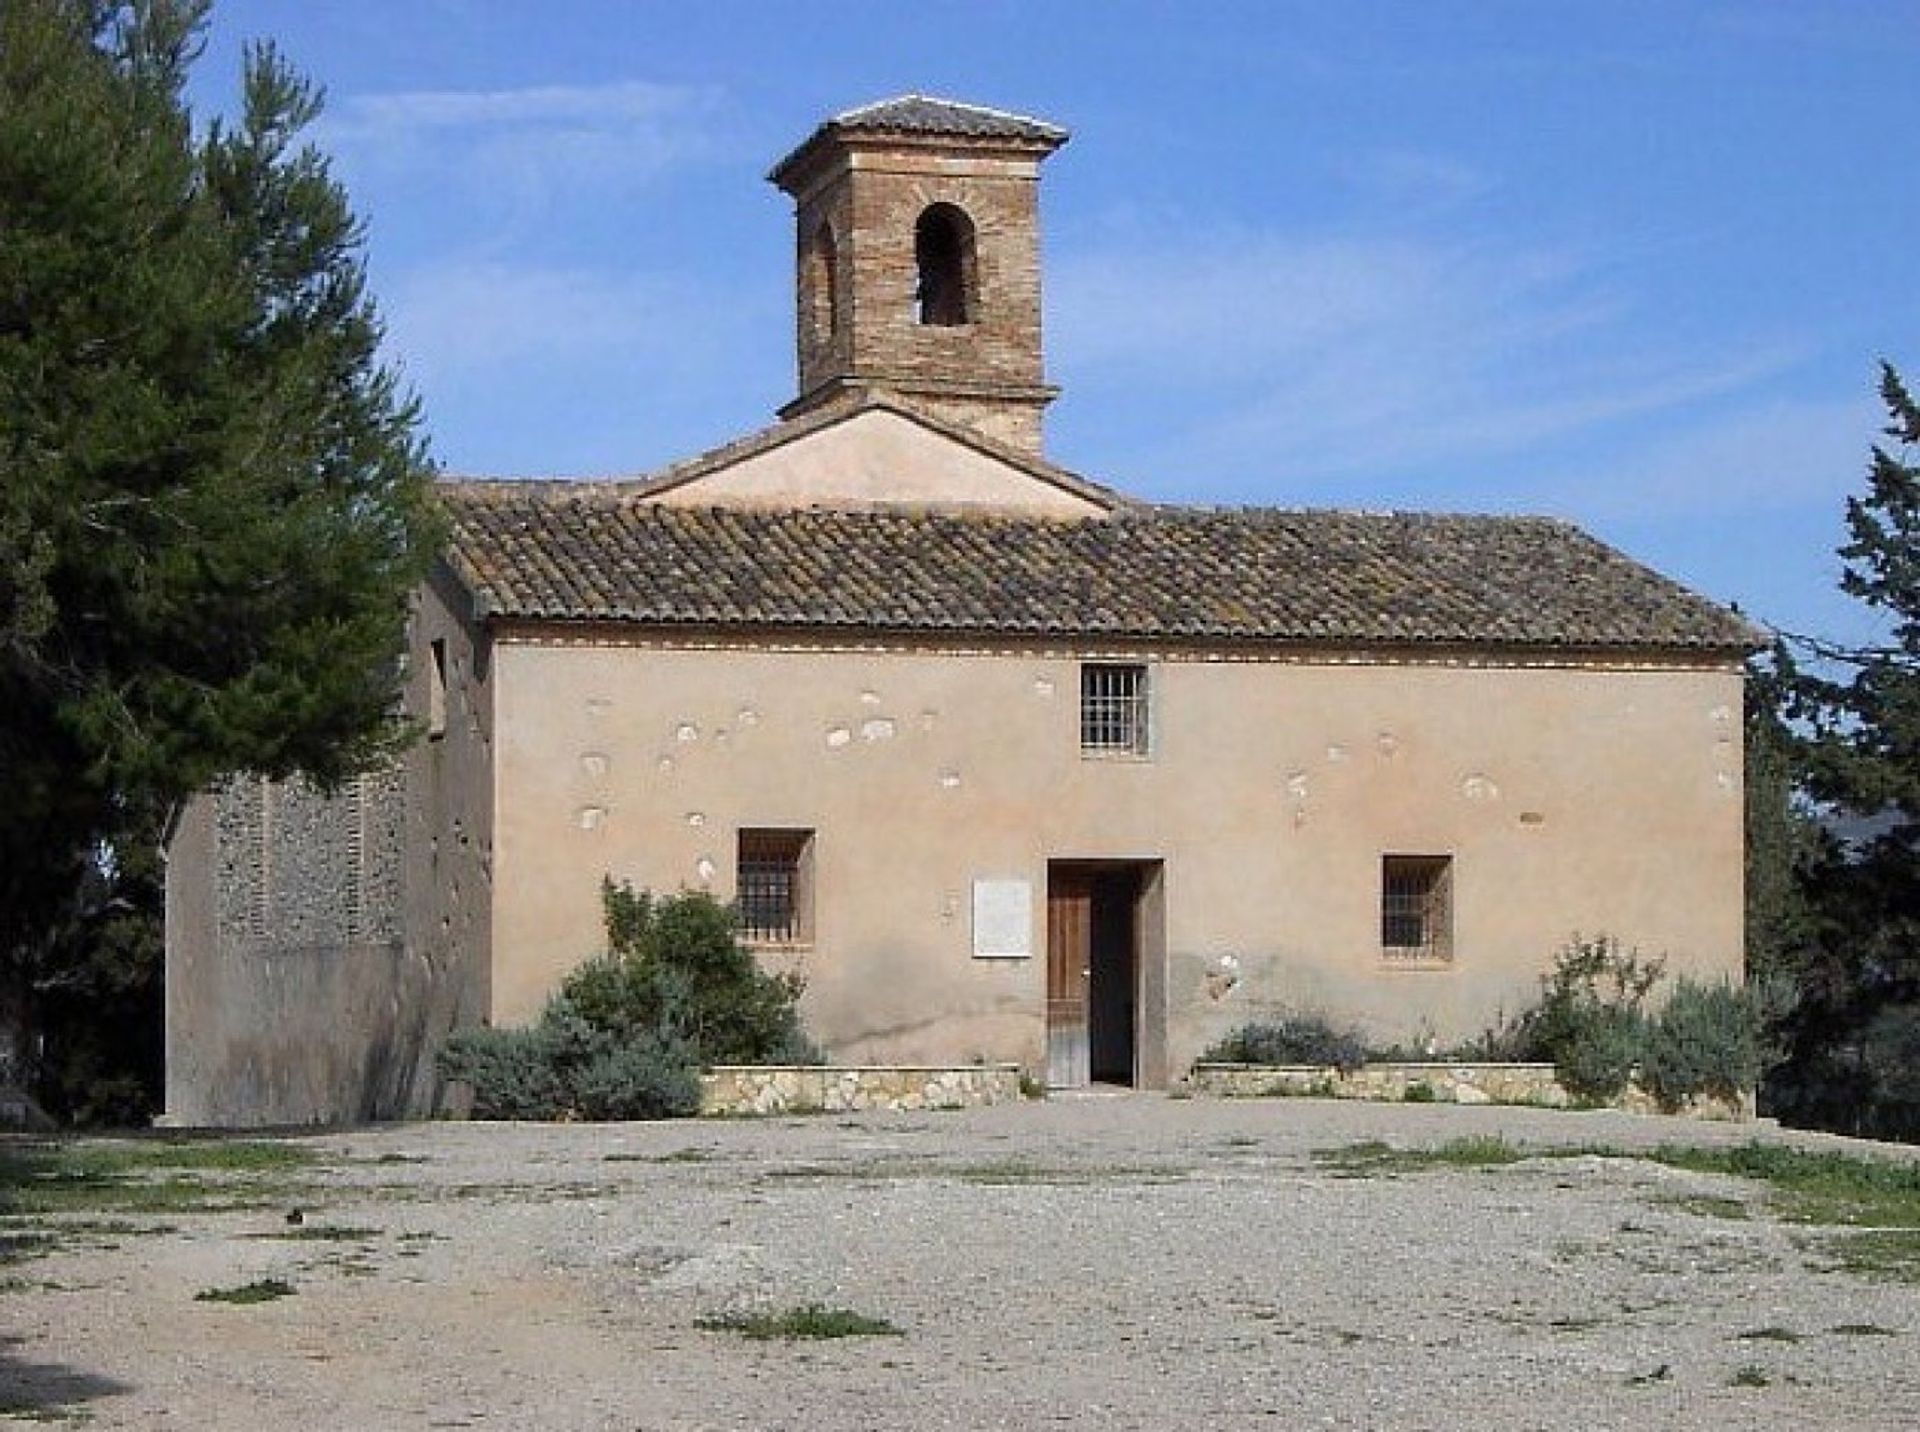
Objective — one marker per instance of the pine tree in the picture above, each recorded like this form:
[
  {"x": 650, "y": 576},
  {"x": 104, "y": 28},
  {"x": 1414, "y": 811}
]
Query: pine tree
[
  {"x": 1856, "y": 948},
  {"x": 213, "y": 503}
]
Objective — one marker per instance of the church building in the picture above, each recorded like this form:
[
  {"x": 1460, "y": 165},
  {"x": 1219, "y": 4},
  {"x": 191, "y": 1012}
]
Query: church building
[{"x": 1009, "y": 765}]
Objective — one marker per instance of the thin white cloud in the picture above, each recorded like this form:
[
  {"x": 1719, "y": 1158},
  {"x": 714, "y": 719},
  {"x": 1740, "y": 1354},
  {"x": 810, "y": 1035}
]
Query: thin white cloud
[
  {"x": 1304, "y": 364},
  {"x": 1774, "y": 456}
]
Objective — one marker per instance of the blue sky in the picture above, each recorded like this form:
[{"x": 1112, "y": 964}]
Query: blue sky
[{"x": 1626, "y": 263}]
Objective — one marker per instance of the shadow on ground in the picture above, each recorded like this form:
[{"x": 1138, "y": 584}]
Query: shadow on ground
[{"x": 36, "y": 1389}]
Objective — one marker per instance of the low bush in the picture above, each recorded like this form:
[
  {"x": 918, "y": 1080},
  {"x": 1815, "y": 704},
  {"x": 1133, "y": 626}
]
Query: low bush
[
  {"x": 1292, "y": 1038},
  {"x": 1590, "y": 1020},
  {"x": 630, "y": 1029},
  {"x": 1709, "y": 1039}
]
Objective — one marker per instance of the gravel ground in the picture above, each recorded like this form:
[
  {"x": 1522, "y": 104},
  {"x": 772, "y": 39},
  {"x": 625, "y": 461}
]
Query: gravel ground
[{"x": 1111, "y": 1262}]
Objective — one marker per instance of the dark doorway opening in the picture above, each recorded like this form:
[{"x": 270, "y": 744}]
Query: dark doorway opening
[{"x": 1094, "y": 971}]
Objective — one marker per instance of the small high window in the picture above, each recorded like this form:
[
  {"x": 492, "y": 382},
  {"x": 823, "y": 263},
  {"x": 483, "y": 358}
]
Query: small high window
[
  {"x": 1113, "y": 710},
  {"x": 774, "y": 887},
  {"x": 1416, "y": 907},
  {"x": 943, "y": 251},
  {"x": 437, "y": 689}
]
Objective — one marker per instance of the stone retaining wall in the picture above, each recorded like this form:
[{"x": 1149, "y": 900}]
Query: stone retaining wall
[
  {"x": 818, "y": 1089},
  {"x": 1450, "y": 1083}
]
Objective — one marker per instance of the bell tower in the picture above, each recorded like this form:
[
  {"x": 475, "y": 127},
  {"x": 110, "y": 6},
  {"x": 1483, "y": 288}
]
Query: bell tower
[{"x": 918, "y": 254}]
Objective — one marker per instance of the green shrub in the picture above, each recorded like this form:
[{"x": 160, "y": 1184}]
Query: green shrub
[
  {"x": 629, "y": 1030},
  {"x": 1291, "y": 1038},
  {"x": 1590, "y": 1020},
  {"x": 1710, "y": 1039}
]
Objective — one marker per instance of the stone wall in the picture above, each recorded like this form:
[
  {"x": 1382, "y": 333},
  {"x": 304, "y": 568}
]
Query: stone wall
[
  {"x": 291, "y": 997},
  {"x": 821, "y": 1089},
  {"x": 1450, "y": 1083}
]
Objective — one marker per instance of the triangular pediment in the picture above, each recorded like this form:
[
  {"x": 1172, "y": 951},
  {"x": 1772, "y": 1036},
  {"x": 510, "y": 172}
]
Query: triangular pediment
[{"x": 877, "y": 453}]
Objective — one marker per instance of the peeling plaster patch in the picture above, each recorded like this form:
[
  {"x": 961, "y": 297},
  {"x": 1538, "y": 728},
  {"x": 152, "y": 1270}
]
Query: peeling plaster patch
[
  {"x": 1387, "y": 742},
  {"x": 664, "y": 764},
  {"x": 880, "y": 728},
  {"x": 686, "y": 732},
  {"x": 929, "y": 719},
  {"x": 950, "y": 906},
  {"x": 720, "y": 736},
  {"x": 1477, "y": 787},
  {"x": 594, "y": 763},
  {"x": 1223, "y": 978},
  {"x": 1336, "y": 753},
  {"x": 869, "y": 698},
  {"x": 598, "y": 706},
  {"x": 704, "y": 868},
  {"x": 1299, "y": 817},
  {"x": 838, "y": 736},
  {"x": 592, "y": 817},
  {"x": 950, "y": 780},
  {"x": 746, "y": 716},
  {"x": 1723, "y": 779},
  {"x": 1297, "y": 785},
  {"x": 1721, "y": 715},
  {"x": 696, "y": 819},
  {"x": 1043, "y": 688},
  {"x": 1532, "y": 817}
]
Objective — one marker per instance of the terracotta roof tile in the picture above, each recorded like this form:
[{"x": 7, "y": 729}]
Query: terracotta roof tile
[{"x": 555, "y": 551}]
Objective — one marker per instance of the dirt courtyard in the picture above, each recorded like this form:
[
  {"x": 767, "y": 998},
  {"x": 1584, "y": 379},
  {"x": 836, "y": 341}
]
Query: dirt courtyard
[{"x": 1110, "y": 1262}]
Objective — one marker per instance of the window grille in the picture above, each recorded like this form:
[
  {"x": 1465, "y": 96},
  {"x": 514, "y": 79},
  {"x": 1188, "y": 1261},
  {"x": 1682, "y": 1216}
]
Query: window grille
[
  {"x": 770, "y": 891},
  {"x": 1113, "y": 709},
  {"x": 1416, "y": 907}
]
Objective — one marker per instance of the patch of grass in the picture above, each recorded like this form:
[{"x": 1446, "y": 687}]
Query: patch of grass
[
  {"x": 1574, "y": 1325},
  {"x": 57, "y": 1176},
  {"x": 1814, "y": 1187},
  {"x": 1887, "y": 1254},
  {"x": 808, "y": 1321},
  {"x": 1773, "y": 1333},
  {"x": 322, "y": 1233},
  {"x": 261, "y": 1290},
  {"x": 1750, "y": 1375},
  {"x": 1707, "y": 1205},
  {"x": 1479, "y": 1151},
  {"x": 1863, "y": 1330},
  {"x": 1646, "y": 1379},
  {"x": 678, "y": 1156}
]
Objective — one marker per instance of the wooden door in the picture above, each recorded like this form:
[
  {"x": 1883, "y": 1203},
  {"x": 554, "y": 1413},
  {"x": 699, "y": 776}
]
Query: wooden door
[{"x": 1069, "y": 975}]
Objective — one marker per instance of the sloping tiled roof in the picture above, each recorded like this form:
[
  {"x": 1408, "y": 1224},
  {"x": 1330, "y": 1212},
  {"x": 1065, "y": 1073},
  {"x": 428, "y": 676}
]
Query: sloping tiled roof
[
  {"x": 567, "y": 552},
  {"x": 923, "y": 114}
]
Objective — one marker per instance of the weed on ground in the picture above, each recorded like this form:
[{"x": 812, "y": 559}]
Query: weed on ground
[
  {"x": 808, "y": 1321},
  {"x": 262, "y": 1290}
]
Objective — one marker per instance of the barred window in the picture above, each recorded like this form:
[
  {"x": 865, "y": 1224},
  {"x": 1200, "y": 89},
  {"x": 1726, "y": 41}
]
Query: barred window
[
  {"x": 773, "y": 890},
  {"x": 1113, "y": 709},
  {"x": 1416, "y": 907}
]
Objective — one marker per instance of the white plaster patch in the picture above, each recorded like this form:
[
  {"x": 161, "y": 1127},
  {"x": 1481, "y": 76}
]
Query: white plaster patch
[
  {"x": 880, "y": 728},
  {"x": 592, "y": 817},
  {"x": 1387, "y": 742},
  {"x": 1723, "y": 779},
  {"x": 686, "y": 732},
  {"x": 838, "y": 736},
  {"x": 1721, "y": 715},
  {"x": 1336, "y": 754},
  {"x": 704, "y": 868},
  {"x": 594, "y": 763},
  {"x": 929, "y": 719},
  {"x": 598, "y": 706},
  {"x": 1002, "y": 919},
  {"x": 1297, "y": 785},
  {"x": 746, "y": 716},
  {"x": 696, "y": 819},
  {"x": 1043, "y": 688},
  {"x": 720, "y": 736},
  {"x": 950, "y": 780},
  {"x": 869, "y": 698},
  {"x": 664, "y": 764},
  {"x": 1477, "y": 787}
]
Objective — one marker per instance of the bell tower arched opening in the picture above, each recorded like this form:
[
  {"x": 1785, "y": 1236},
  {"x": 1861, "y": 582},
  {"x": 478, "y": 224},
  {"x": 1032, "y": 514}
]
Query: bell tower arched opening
[{"x": 943, "y": 252}]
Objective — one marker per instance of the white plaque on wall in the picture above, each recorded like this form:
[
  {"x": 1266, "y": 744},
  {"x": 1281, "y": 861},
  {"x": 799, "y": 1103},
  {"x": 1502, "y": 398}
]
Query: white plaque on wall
[{"x": 1002, "y": 919}]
